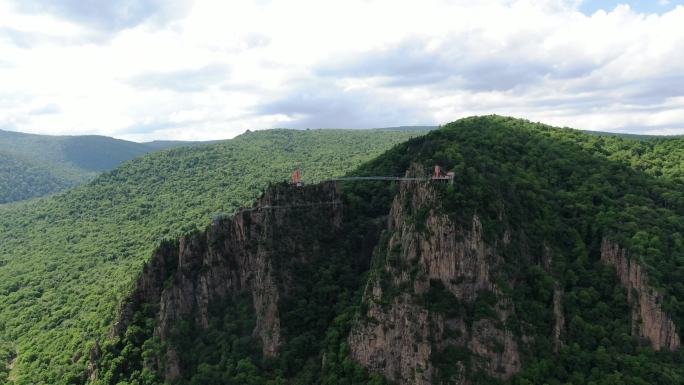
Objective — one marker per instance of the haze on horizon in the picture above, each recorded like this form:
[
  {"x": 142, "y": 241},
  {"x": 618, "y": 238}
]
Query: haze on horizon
[{"x": 196, "y": 70}]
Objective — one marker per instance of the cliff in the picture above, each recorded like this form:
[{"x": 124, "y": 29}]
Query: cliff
[
  {"x": 437, "y": 306},
  {"x": 649, "y": 321},
  {"x": 250, "y": 253},
  {"x": 430, "y": 273},
  {"x": 500, "y": 277}
]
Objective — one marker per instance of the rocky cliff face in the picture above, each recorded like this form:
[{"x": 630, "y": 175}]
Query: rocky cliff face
[
  {"x": 649, "y": 321},
  {"x": 251, "y": 252},
  {"x": 434, "y": 309},
  {"x": 405, "y": 335}
]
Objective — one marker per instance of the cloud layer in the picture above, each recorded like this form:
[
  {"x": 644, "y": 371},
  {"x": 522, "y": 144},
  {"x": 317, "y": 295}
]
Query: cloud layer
[{"x": 205, "y": 69}]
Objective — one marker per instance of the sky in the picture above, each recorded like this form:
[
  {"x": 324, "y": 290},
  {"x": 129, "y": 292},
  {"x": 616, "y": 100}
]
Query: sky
[{"x": 210, "y": 69}]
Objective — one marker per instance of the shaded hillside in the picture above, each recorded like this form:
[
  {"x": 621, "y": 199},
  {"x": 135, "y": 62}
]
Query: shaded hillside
[
  {"x": 264, "y": 285},
  {"x": 555, "y": 257},
  {"x": 36, "y": 165},
  {"x": 66, "y": 261},
  {"x": 21, "y": 178}
]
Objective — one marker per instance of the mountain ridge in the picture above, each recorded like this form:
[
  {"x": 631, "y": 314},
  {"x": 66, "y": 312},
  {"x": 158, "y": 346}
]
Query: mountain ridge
[
  {"x": 503, "y": 276},
  {"x": 67, "y": 262},
  {"x": 36, "y": 165}
]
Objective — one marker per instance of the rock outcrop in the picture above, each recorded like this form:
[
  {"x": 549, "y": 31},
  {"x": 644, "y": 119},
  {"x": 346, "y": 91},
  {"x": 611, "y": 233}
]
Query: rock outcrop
[
  {"x": 649, "y": 321},
  {"x": 251, "y": 252},
  {"x": 558, "y": 317},
  {"x": 558, "y": 313},
  {"x": 402, "y": 335},
  {"x": 434, "y": 310}
]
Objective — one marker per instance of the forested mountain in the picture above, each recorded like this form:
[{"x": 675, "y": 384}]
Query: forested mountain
[
  {"x": 36, "y": 165},
  {"x": 409, "y": 128},
  {"x": 555, "y": 257},
  {"x": 22, "y": 178},
  {"x": 629, "y": 136},
  {"x": 66, "y": 261}
]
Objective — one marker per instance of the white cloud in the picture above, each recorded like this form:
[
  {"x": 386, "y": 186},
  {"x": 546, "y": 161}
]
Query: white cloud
[{"x": 212, "y": 69}]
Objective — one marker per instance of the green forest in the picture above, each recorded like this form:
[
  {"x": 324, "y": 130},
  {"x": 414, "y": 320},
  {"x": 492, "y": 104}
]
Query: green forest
[
  {"x": 37, "y": 165},
  {"x": 558, "y": 187},
  {"x": 567, "y": 190},
  {"x": 67, "y": 260},
  {"x": 22, "y": 178}
]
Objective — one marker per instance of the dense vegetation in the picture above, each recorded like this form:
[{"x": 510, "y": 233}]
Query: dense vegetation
[
  {"x": 554, "y": 187},
  {"x": 37, "y": 165},
  {"x": 566, "y": 190},
  {"x": 67, "y": 260},
  {"x": 316, "y": 306},
  {"x": 21, "y": 178},
  {"x": 318, "y": 269}
]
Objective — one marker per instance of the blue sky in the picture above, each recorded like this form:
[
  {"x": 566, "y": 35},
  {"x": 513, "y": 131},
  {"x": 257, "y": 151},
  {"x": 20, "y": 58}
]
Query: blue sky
[
  {"x": 644, "y": 6},
  {"x": 206, "y": 69}
]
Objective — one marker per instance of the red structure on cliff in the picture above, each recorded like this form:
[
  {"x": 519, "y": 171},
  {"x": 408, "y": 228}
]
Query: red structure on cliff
[
  {"x": 438, "y": 175},
  {"x": 297, "y": 178}
]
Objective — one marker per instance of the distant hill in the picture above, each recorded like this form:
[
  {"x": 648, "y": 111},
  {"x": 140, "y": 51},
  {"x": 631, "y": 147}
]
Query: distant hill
[
  {"x": 630, "y": 136},
  {"x": 36, "y": 165},
  {"x": 409, "y": 128},
  {"x": 162, "y": 144},
  {"x": 21, "y": 177}
]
